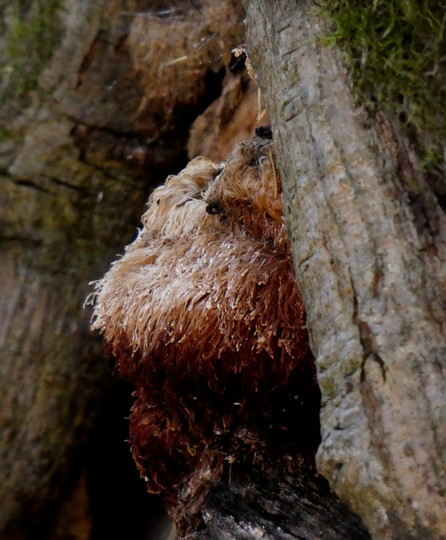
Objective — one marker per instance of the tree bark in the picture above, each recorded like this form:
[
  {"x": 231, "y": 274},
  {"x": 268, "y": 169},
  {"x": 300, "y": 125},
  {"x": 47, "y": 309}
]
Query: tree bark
[
  {"x": 278, "y": 507},
  {"x": 369, "y": 250},
  {"x": 107, "y": 118}
]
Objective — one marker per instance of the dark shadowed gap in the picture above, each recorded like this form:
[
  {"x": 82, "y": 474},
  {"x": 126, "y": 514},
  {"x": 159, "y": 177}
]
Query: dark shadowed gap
[{"x": 120, "y": 505}]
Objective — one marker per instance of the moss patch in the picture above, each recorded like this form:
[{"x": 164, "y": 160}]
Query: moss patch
[
  {"x": 397, "y": 53},
  {"x": 31, "y": 29}
]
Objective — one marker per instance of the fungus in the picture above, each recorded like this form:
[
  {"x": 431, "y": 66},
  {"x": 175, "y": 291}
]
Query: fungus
[{"x": 203, "y": 316}]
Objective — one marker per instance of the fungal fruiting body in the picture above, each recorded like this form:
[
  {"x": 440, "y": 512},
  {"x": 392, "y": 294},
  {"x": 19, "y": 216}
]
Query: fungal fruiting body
[{"x": 204, "y": 317}]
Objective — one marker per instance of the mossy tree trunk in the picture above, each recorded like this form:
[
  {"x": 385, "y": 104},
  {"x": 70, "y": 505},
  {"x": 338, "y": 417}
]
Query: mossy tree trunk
[
  {"x": 62, "y": 186},
  {"x": 97, "y": 99},
  {"x": 369, "y": 248}
]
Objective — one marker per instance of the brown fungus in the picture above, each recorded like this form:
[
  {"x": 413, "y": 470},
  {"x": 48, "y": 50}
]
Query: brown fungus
[{"x": 205, "y": 319}]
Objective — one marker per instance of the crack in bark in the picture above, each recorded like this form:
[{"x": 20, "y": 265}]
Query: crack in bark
[
  {"x": 24, "y": 240},
  {"x": 366, "y": 341},
  {"x": 24, "y": 182},
  {"x": 89, "y": 56},
  {"x": 68, "y": 185},
  {"x": 128, "y": 135},
  {"x": 30, "y": 184}
]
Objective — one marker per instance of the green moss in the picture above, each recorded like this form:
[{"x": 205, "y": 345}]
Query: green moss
[
  {"x": 31, "y": 29},
  {"x": 397, "y": 53},
  {"x": 5, "y": 134}
]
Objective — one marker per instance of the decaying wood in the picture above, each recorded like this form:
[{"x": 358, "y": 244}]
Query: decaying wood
[
  {"x": 278, "y": 507},
  {"x": 369, "y": 250}
]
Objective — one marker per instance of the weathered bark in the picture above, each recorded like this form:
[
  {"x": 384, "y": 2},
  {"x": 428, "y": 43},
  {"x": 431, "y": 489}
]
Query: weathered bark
[
  {"x": 369, "y": 247},
  {"x": 279, "y": 507},
  {"x": 108, "y": 120}
]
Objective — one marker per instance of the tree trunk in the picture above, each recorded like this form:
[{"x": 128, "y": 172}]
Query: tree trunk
[
  {"x": 59, "y": 227},
  {"x": 95, "y": 111},
  {"x": 99, "y": 102},
  {"x": 369, "y": 249}
]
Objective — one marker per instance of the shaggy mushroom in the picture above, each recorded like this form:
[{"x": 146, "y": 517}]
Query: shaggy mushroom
[{"x": 203, "y": 316}]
